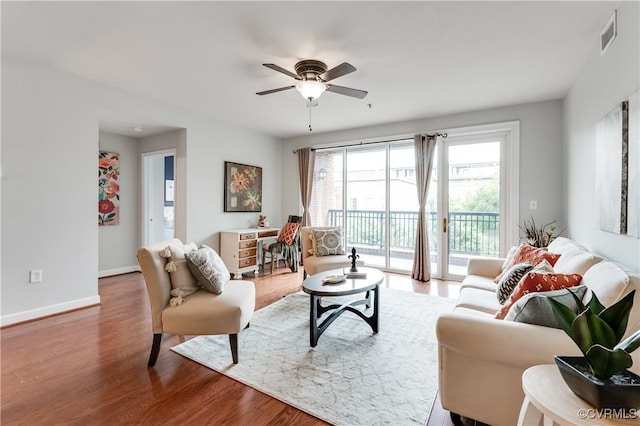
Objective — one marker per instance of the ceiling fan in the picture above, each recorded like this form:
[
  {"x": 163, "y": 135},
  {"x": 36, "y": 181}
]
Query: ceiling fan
[{"x": 313, "y": 79}]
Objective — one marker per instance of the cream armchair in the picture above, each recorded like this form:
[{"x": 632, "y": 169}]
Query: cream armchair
[
  {"x": 313, "y": 263},
  {"x": 202, "y": 313}
]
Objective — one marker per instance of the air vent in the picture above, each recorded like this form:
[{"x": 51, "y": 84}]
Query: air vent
[{"x": 609, "y": 32}]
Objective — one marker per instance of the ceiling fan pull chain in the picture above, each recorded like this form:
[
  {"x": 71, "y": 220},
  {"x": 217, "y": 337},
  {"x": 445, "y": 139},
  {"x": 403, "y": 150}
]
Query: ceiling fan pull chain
[{"x": 310, "y": 129}]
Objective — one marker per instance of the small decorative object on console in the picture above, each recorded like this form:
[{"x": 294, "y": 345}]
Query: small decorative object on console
[
  {"x": 357, "y": 274},
  {"x": 333, "y": 279},
  {"x": 262, "y": 221},
  {"x": 354, "y": 257}
]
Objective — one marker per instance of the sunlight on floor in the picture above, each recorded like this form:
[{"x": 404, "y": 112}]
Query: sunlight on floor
[{"x": 450, "y": 289}]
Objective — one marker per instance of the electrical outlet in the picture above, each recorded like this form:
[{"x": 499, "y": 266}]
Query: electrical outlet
[
  {"x": 533, "y": 205},
  {"x": 35, "y": 276}
]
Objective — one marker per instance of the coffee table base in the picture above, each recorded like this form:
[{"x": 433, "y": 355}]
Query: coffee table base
[{"x": 317, "y": 310}]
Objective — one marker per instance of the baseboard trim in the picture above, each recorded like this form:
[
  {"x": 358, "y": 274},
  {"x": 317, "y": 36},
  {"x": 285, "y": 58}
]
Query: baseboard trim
[
  {"x": 46, "y": 311},
  {"x": 118, "y": 271}
]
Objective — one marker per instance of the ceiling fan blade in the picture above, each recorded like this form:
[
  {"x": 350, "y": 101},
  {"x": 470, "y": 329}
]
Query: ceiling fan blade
[
  {"x": 280, "y": 89},
  {"x": 347, "y": 91},
  {"x": 338, "y": 71},
  {"x": 282, "y": 70}
]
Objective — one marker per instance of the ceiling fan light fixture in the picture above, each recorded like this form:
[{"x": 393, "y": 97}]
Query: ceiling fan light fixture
[{"x": 311, "y": 89}]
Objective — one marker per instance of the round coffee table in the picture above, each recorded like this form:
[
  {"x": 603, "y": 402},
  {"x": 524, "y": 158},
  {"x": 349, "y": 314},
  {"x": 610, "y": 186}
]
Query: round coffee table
[{"x": 316, "y": 289}]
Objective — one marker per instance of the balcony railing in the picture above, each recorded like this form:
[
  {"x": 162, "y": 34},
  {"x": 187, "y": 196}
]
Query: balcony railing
[{"x": 470, "y": 233}]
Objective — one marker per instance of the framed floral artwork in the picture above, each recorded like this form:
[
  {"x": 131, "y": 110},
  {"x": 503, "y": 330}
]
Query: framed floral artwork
[
  {"x": 108, "y": 188},
  {"x": 242, "y": 188}
]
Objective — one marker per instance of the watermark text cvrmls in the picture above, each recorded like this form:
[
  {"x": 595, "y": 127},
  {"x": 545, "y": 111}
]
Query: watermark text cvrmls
[{"x": 608, "y": 413}]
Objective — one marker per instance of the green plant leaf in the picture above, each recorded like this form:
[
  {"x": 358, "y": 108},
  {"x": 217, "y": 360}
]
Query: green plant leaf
[
  {"x": 578, "y": 301},
  {"x": 581, "y": 332},
  {"x": 606, "y": 362},
  {"x": 617, "y": 315},
  {"x": 564, "y": 315},
  {"x": 630, "y": 344},
  {"x": 594, "y": 304},
  {"x": 600, "y": 332}
]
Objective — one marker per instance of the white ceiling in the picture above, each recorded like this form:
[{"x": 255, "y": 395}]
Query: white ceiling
[{"x": 416, "y": 59}]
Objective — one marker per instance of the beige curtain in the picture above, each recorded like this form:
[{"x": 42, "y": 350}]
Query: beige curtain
[
  {"x": 306, "y": 160},
  {"x": 424, "y": 146}
]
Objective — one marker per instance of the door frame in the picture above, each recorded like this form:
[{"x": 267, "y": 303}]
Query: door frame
[
  {"x": 509, "y": 184},
  {"x": 148, "y": 193}
]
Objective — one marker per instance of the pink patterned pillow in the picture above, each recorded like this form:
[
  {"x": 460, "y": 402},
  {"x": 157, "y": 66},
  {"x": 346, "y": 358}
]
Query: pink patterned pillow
[
  {"x": 535, "y": 282},
  {"x": 531, "y": 254}
]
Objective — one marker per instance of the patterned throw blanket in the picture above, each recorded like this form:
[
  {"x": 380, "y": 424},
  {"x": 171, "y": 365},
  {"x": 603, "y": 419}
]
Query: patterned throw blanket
[{"x": 289, "y": 252}]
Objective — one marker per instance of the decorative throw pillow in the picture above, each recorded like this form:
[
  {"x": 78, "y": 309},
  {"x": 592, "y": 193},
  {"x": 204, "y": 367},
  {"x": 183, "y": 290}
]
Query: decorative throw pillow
[
  {"x": 181, "y": 277},
  {"x": 509, "y": 258},
  {"x": 329, "y": 241},
  {"x": 510, "y": 280},
  {"x": 314, "y": 245},
  {"x": 543, "y": 267},
  {"x": 208, "y": 268},
  {"x": 535, "y": 282},
  {"x": 288, "y": 233},
  {"x": 535, "y": 309},
  {"x": 527, "y": 253}
]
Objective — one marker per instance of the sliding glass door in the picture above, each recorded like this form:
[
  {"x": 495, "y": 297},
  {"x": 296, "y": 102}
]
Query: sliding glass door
[
  {"x": 371, "y": 192},
  {"x": 403, "y": 206},
  {"x": 327, "y": 198},
  {"x": 366, "y": 204},
  {"x": 471, "y": 202}
]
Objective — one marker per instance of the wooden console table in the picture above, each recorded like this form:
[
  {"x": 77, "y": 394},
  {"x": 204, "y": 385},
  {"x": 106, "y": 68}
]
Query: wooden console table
[{"x": 239, "y": 248}]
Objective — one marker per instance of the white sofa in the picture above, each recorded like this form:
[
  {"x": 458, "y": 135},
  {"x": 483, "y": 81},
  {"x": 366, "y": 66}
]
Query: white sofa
[
  {"x": 481, "y": 359},
  {"x": 314, "y": 264}
]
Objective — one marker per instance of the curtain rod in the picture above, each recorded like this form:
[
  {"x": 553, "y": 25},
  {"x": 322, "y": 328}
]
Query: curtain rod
[{"x": 444, "y": 135}]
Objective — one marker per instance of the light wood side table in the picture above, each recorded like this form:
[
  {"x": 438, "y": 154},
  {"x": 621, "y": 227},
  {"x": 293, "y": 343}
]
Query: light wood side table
[{"x": 549, "y": 401}]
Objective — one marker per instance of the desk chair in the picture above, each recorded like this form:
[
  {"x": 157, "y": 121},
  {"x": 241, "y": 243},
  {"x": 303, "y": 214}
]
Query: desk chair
[{"x": 286, "y": 246}]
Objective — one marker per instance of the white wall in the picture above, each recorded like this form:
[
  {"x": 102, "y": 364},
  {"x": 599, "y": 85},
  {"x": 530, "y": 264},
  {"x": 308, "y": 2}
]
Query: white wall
[
  {"x": 49, "y": 156},
  {"x": 117, "y": 245},
  {"x": 540, "y": 151},
  {"x": 49, "y": 193},
  {"x": 205, "y": 174},
  {"x": 603, "y": 82}
]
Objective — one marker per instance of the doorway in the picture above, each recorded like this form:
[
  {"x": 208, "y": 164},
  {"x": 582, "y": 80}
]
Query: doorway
[
  {"x": 473, "y": 198},
  {"x": 158, "y": 196}
]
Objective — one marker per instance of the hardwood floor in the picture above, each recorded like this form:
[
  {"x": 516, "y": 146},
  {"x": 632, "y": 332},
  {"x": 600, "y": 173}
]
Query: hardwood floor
[{"x": 90, "y": 366}]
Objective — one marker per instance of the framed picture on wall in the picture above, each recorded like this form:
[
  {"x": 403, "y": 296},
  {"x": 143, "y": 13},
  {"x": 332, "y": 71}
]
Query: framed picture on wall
[
  {"x": 108, "y": 188},
  {"x": 242, "y": 187}
]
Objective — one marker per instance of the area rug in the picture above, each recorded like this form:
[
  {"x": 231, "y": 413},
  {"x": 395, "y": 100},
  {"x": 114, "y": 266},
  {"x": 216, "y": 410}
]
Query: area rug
[{"x": 353, "y": 376}]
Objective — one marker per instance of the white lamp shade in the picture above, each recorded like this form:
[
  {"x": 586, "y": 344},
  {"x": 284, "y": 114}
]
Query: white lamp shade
[{"x": 311, "y": 89}]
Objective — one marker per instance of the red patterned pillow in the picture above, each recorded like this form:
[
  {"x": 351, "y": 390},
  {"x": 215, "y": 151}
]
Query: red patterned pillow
[
  {"x": 531, "y": 254},
  {"x": 535, "y": 282},
  {"x": 288, "y": 233}
]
